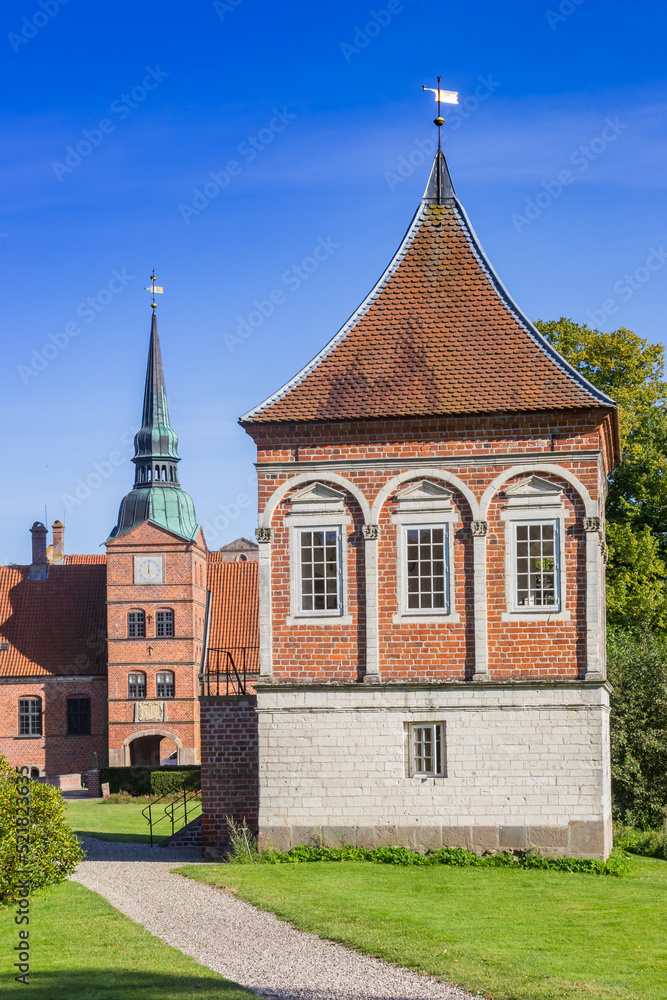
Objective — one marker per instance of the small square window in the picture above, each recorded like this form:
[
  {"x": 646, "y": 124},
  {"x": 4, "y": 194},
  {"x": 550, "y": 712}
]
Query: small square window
[{"x": 426, "y": 749}]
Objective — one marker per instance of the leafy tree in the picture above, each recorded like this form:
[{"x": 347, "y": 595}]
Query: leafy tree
[
  {"x": 630, "y": 370},
  {"x": 53, "y": 850},
  {"x": 637, "y": 665}
]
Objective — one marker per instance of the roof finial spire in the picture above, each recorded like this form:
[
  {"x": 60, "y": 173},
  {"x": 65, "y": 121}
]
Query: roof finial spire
[
  {"x": 442, "y": 97},
  {"x": 157, "y": 289}
]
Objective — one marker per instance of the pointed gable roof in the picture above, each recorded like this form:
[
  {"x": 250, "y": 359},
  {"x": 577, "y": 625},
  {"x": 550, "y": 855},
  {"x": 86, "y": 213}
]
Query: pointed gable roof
[{"x": 437, "y": 336}]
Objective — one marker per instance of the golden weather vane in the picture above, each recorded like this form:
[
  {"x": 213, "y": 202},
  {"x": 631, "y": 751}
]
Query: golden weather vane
[
  {"x": 154, "y": 289},
  {"x": 442, "y": 97}
]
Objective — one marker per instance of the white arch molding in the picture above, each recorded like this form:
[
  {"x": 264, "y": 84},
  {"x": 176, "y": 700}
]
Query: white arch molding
[
  {"x": 590, "y": 505},
  {"x": 441, "y": 474},
  {"x": 266, "y": 516}
]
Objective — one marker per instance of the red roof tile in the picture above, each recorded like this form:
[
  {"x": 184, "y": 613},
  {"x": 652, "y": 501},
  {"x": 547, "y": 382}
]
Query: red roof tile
[
  {"x": 438, "y": 335},
  {"x": 234, "y": 604},
  {"x": 55, "y": 626}
]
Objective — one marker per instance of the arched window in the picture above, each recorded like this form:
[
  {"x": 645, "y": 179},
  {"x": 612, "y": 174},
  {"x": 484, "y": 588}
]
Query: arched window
[
  {"x": 164, "y": 473},
  {"x": 136, "y": 685},
  {"x": 171, "y": 473},
  {"x": 34, "y": 772},
  {"x": 30, "y": 716},
  {"x": 164, "y": 684},
  {"x": 165, "y": 624},
  {"x": 136, "y": 624}
]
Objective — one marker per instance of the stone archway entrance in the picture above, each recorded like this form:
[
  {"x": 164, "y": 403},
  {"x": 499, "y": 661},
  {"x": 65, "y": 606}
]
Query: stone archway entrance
[
  {"x": 149, "y": 746},
  {"x": 145, "y": 750}
]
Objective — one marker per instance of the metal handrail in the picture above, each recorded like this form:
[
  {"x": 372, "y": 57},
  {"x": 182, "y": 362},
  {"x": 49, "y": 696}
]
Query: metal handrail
[
  {"x": 227, "y": 670},
  {"x": 169, "y": 811}
]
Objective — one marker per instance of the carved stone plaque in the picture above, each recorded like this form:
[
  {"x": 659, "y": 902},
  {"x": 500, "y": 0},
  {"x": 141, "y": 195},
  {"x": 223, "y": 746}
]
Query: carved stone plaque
[{"x": 149, "y": 711}]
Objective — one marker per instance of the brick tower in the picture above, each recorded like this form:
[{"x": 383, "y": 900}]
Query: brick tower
[
  {"x": 431, "y": 511},
  {"x": 156, "y": 596}
]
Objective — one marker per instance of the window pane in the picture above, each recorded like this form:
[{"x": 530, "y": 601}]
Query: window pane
[
  {"x": 164, "y": 684},
  {"x": 165, "y": 624},
  {"x": 136, "y": 685},
  {"x": 30, "y": 717},
  {"x": 320, "y": 571},
  {"x": 136, "y": 625},
  {"x": 427, "y": 568},
  {"x": 536, "y": 565}
]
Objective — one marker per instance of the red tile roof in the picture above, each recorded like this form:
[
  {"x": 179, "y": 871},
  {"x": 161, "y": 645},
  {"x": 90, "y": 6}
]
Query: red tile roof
[
  {"x": 55, "y": 626},
  {"x": 438, "y": 335},
  {"x": 234, "y": 616}
]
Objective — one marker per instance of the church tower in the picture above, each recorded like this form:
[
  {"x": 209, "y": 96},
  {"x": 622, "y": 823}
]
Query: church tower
[{"x": 156, "y": 596}]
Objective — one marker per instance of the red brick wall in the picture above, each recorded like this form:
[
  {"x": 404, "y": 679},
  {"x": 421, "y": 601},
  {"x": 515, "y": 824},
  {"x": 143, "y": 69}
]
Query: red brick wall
[
  {"x": 230, "y": 772},
  {"x": 427, "y": 650},
  {"x": 184, "y": 592},
  {"x": 54, "y": 752}
]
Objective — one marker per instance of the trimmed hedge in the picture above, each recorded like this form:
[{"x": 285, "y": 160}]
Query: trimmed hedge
[
  {"x": 616, "y": 865},
  {"x": 144, "y": 780}
]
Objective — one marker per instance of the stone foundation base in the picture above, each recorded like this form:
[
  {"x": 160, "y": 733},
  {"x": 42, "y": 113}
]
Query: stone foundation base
[{"x": 578, "y": 839}]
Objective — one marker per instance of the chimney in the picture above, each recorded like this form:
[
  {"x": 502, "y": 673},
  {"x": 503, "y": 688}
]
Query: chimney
[
  {"x": 58, "y": 547},
  {"x": 39, "y": 568}
]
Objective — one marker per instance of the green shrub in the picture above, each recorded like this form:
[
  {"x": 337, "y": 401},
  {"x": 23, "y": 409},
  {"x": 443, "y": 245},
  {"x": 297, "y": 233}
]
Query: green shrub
[
  {"x": 51, "y": 852},
  {"x": 140, "y": 780},
  {"x": 637, "y": 666},
  {"x": 616, "y": 865},
  {"x": 648, "y": 843}
]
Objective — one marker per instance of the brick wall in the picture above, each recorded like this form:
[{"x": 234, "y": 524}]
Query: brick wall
[
  {"x": 54, "y": 752},
  {"x": 476, "y": 451},
  {"x": 230, "y": 770}
]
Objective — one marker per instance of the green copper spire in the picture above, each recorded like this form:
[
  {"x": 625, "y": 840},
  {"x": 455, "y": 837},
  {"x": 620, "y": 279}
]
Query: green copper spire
[{"x": 156, "y": 495}]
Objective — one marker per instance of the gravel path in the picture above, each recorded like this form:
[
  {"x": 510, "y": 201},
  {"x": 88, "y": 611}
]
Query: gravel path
[{"x": 246, "y": 945}]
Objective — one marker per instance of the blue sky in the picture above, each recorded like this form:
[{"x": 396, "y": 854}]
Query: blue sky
[{"x": 312, "y": 120}]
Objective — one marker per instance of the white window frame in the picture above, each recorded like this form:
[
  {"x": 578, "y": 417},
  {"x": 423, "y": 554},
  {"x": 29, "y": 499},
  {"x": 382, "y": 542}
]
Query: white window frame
[
  {"x": 527, "y": 608},
  {"x": 319, "y": 612},
  {"x": 404, "y": 609},
  {"x": 545, "y": 506},
  {"x": 424, "y": 512},
  {"x": 329, "y": 522},
  {"x": 439, "y": 734}
]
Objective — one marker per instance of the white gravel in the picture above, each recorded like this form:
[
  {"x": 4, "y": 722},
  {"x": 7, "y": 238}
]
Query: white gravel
[{"x": 246, "y": 945}]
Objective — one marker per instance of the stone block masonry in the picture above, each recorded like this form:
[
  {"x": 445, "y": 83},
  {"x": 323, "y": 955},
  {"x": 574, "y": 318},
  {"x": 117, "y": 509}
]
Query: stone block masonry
[
  {"x": 526, "y": 765},
  {"x": 230, "y": 767}
]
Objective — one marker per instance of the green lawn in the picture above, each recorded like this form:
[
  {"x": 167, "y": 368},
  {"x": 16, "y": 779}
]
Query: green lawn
[
  {"x": 82, "y": 947},
  {"x": 110, "y": 822},
  {"x": 513, "y": 935}
]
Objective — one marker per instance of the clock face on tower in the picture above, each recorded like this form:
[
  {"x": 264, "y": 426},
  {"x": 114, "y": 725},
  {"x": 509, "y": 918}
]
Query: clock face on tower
[{"x": 149, "y": 569}]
